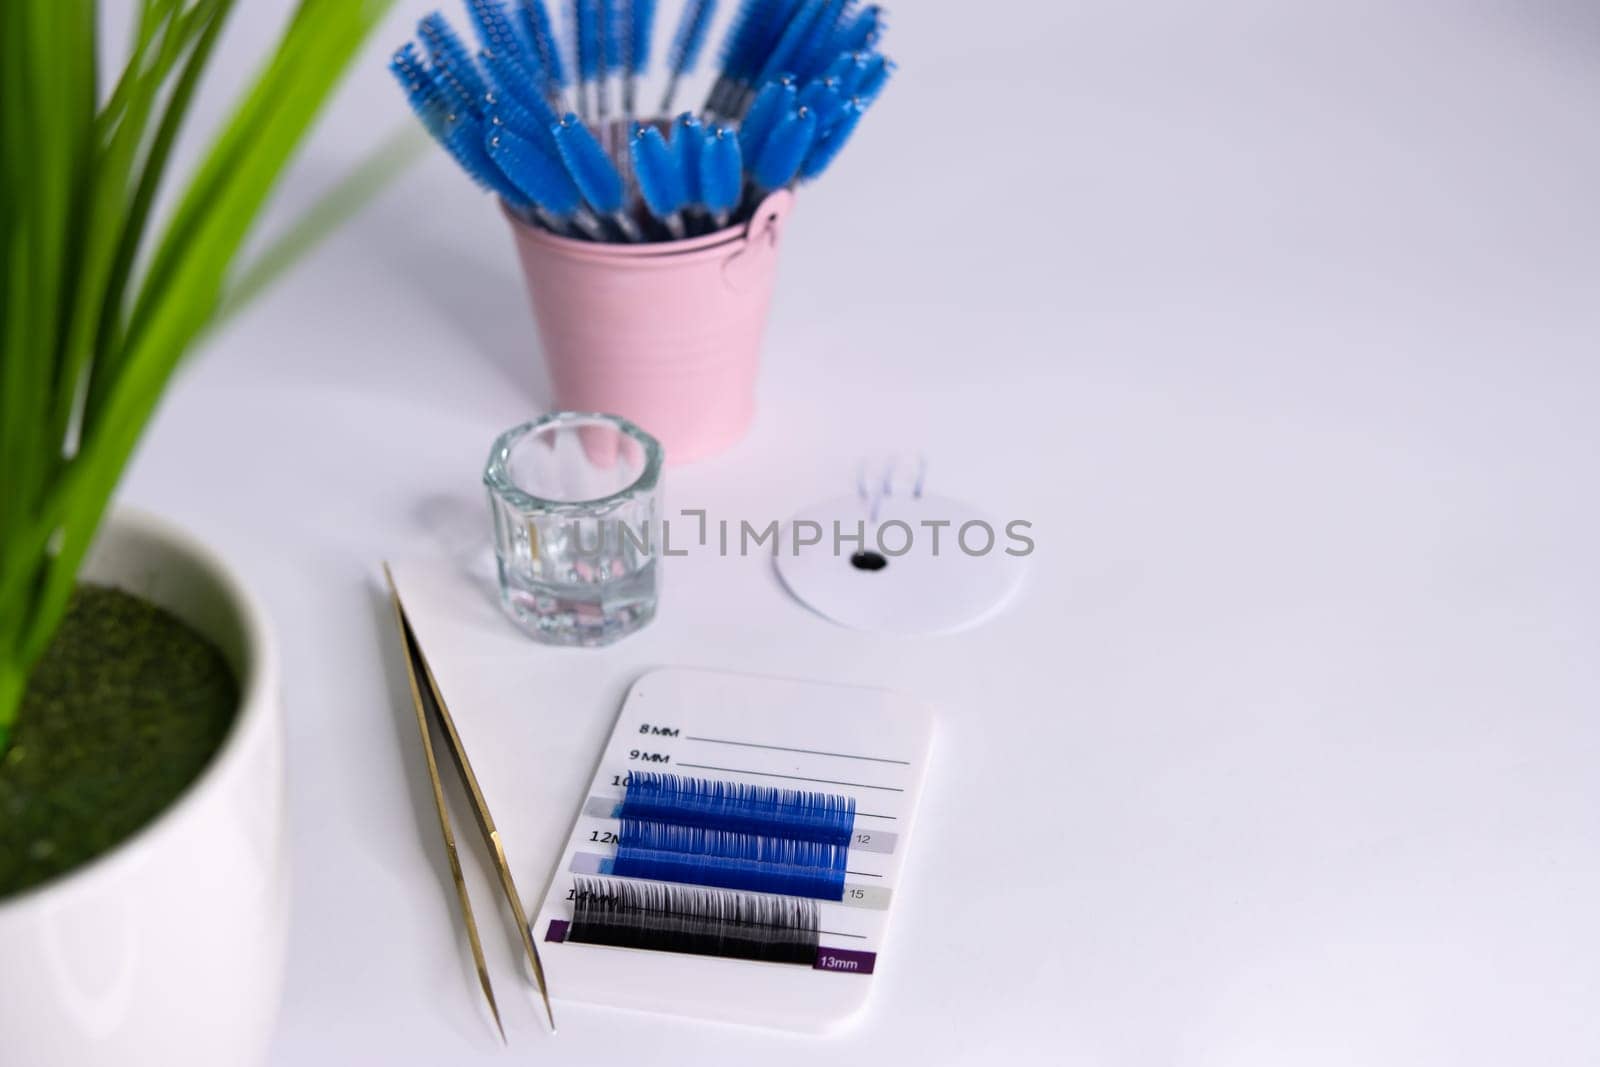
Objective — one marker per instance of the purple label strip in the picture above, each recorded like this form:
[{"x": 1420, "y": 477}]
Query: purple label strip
[{"x": 844, "y": 959}]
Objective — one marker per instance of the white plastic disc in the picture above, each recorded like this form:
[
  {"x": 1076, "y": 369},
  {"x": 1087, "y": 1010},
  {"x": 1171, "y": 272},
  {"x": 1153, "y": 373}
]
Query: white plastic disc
[{"x": 933, "y": 565}]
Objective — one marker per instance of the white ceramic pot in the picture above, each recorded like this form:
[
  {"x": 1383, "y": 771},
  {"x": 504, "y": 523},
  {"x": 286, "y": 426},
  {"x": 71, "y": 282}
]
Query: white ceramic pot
[{"x": 167, "y": 950}]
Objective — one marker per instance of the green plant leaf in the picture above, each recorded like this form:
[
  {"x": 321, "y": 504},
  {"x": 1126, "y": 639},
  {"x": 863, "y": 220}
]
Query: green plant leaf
[
  {"x": 201, "y": 26},
  {"x": 86, "y": 336}
]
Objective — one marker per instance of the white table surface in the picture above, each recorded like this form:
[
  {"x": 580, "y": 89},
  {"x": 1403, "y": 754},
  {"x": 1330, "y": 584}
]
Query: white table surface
[{"x": 1280, "y": 324}]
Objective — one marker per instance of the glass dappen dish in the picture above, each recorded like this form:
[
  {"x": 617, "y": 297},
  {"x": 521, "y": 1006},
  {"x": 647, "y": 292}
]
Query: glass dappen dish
[{"x": 575, "y": 499}]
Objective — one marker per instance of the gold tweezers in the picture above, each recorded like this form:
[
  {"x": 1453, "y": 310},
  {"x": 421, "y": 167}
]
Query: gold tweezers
[{"x": 417, "y": 667}]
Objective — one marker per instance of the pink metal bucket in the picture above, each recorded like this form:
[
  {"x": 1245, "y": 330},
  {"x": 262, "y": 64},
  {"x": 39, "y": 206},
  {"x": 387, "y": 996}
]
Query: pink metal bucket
[{"x": 667, "y": 335}]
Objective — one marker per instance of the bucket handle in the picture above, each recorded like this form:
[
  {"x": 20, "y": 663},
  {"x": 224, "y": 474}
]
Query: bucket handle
[{"x": 761, "y": 235}]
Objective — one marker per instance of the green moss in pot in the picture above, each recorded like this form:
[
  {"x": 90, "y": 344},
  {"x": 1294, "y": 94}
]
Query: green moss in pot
[{"x": 125, "y": 709}]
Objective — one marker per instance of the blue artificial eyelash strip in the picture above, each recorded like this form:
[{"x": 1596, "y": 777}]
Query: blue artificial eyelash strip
[
  {"x": 728, "y": 860},
  {"x": 535, "y": 20},
  {"x": 816, "y": 883},
  {"x": 446, "y": 50},
  {"x": 825, "y": 861},
  {"x": 751, "y": 809}
]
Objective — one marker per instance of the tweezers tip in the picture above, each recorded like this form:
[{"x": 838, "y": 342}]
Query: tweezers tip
[{"x": 533, "y": 953}]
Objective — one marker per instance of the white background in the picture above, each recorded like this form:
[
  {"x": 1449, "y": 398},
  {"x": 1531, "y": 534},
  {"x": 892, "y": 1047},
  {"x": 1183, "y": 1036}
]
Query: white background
[{"x": 1279, "y": 322}]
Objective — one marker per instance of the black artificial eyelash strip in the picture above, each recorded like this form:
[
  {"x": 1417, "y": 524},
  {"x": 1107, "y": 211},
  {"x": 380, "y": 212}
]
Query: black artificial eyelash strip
[{"x": 702, "y": 922}]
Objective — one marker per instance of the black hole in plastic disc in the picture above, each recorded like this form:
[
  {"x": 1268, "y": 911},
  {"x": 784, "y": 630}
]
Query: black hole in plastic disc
[{"x": 868, "y": 561}]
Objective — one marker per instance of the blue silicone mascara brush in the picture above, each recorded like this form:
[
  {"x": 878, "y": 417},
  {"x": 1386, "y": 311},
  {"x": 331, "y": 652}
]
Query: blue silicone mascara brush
[
  {"x": 801, "y": 98},
  {"x": 688, "y": 141},
  {"x": 864, "y": 31},
  {"x": 869, "y": 78},
  {"x": 780, "y": 59},
  {"x": 512, "y": 66},
  {"x": 530, "y": 116},
  {"x": 784, "y": 151},
  {"x": 620, "y": 16},
  {"x": 837, "y": 40},
  {"x": 842, "y": 66},
  {"x": 585, "y": 19},
  {"x": 756, "y": 28},
  {"x": 464, "y": 139},
  {"x": 534, "y": 19},
  {"x": 458, "y": 81},
  {"x": 641, "y": 27},
  {"x": 462, "y": 100},
  {"x": 544, "y": 181},
  {"x": 422, "y": 91},
  {"x": 721, "y": 177},
  {"x": 688, "y": 144},
  {"x": 693, "y": 26},
  {"x": 500, "y": 40},
  {"x": 827, "y": 146},
  {"x": 613, "y": 36},
  {"x": 611, "y": 29},
  {"x": 660, "y": 179},
  {"x": 509, "y": 79},
  {"x": 813, "y": 52},
  {"x": 446, "y": 51},
  {"x": 775, "y": 100},
  {"x": 519, "y": 98},
  {"x": 596, "y": 176},
  {"x": 824, "y": 97}
]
